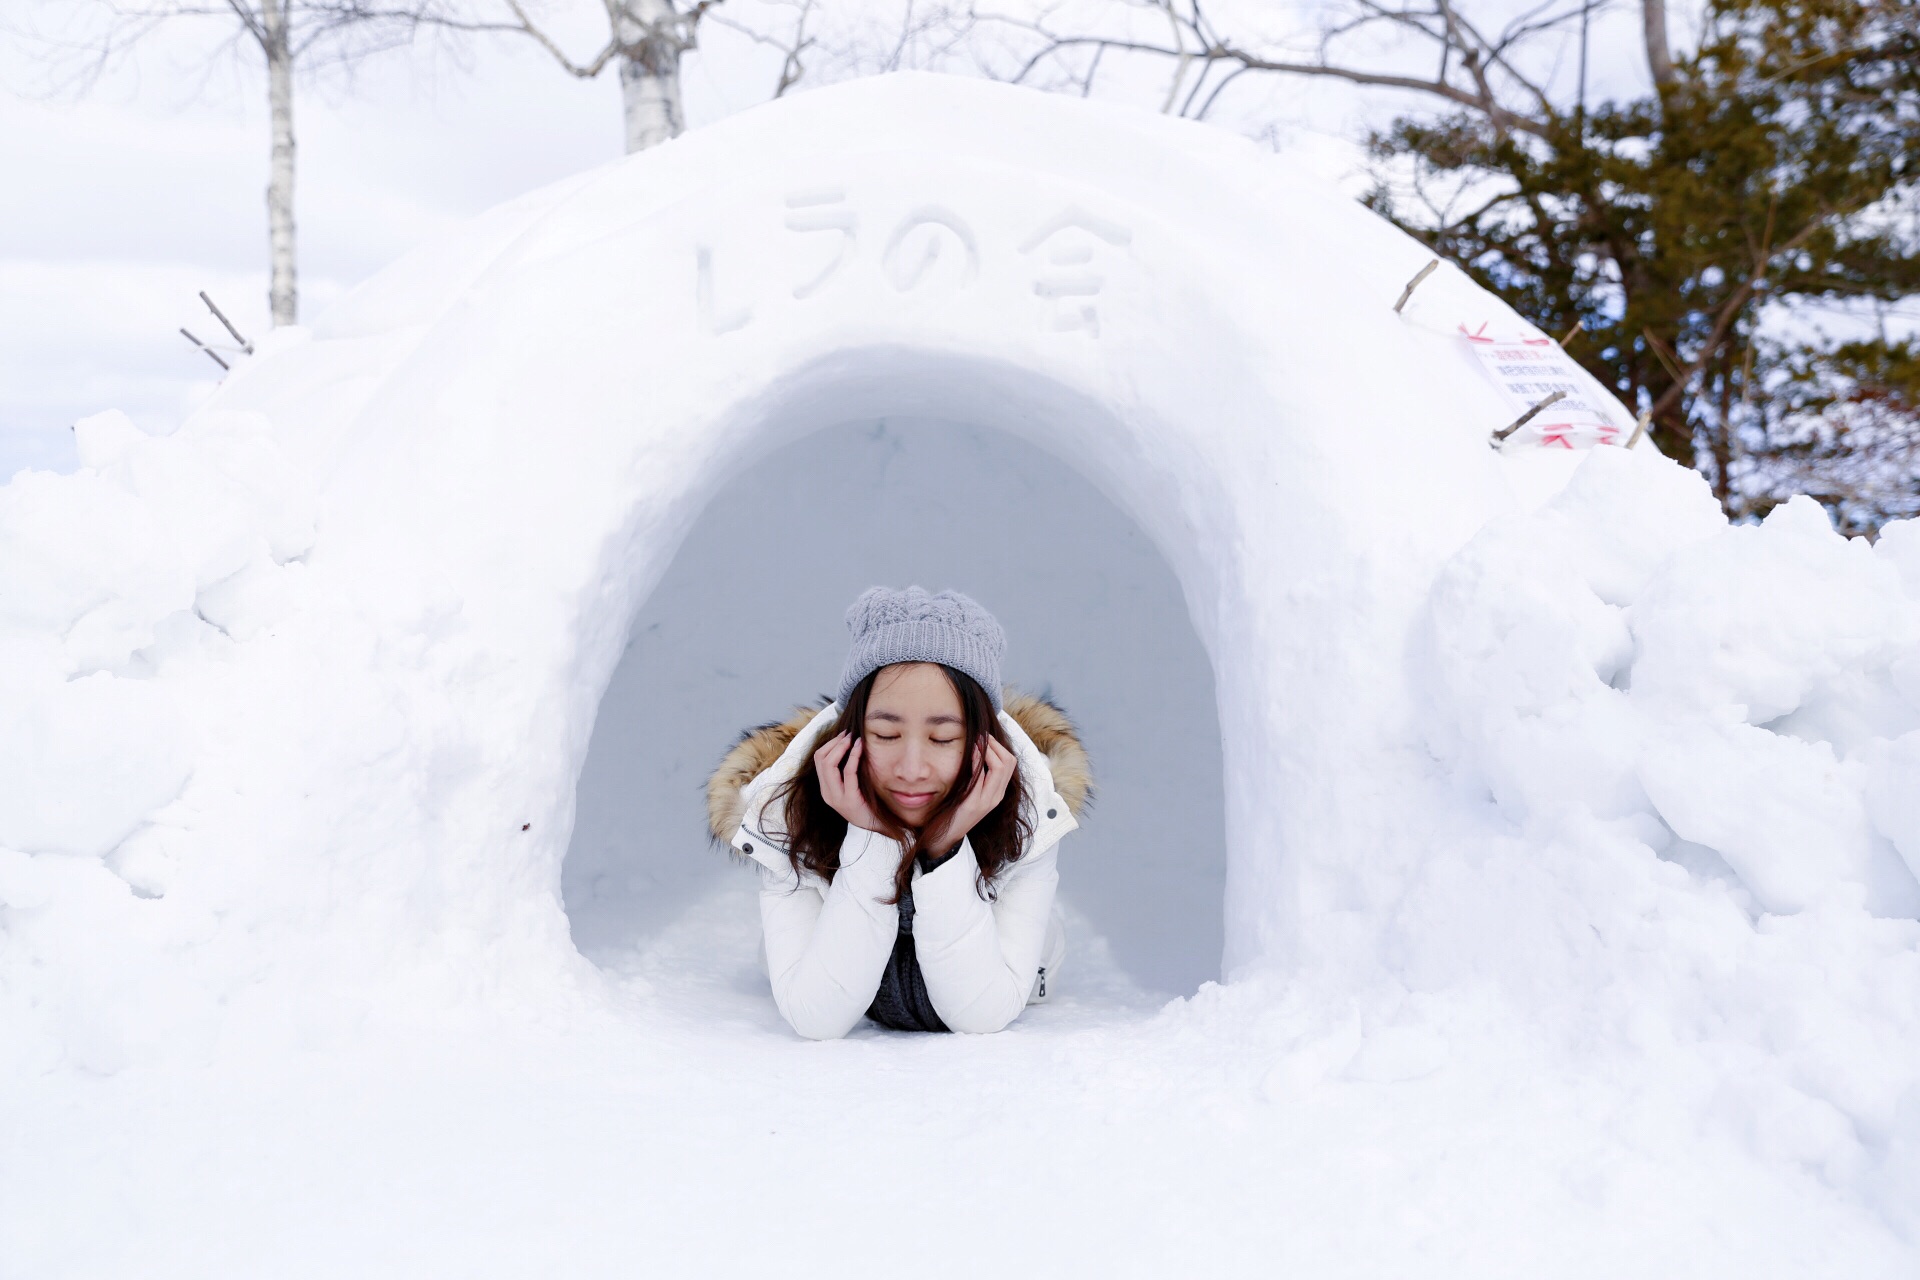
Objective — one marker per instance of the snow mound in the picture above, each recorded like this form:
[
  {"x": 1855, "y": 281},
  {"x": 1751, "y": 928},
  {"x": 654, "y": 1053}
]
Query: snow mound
[
  {"x": 1742, "y": 691},
  {"x": 1522, "y": 748}
]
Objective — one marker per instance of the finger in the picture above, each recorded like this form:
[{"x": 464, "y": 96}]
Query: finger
[
  {"x": 843, "y": 749},
  {"x": 827, "y": 748},
  {"x": 1001, "y": 772},
  {"x": 856, "y": 760},
  {"x": 827, "y": 765}
]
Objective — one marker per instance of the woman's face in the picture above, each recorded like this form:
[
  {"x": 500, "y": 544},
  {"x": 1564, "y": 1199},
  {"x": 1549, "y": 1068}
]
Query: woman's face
[{"x": 915, "y": 737}]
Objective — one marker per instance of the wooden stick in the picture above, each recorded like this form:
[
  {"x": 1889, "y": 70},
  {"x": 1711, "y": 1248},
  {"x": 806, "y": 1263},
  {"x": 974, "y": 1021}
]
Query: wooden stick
[
  {"x": 1672, "y": 362},
  {"x": 221, "y": 316},
  {"x": 211, "y": 354},
  {"x": 1640, "y": 427},
  {"x": 1500, "y": 436},
  {"x": 1413, "y": 284},
  {"x": 1579, "y": 326}
]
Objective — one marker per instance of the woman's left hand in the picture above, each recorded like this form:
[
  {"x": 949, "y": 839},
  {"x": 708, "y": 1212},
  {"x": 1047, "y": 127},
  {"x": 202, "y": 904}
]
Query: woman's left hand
[{"x": 993, "y": 770}]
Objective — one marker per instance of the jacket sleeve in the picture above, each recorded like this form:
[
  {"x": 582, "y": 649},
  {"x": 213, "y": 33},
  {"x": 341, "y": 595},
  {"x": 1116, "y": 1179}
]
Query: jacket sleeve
[
  {"x": 979, "y": 958},
  {"x": 826, "y": 950}
]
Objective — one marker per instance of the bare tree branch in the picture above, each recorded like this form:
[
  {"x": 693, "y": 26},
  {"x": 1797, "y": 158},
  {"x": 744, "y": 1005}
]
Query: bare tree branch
[
  {"x": 791, "y": 70},
  {"x": 1193, "y": 40},
  {"x": 586, "y": 71},
  {"x": 249, "y": 20},
  {"x": 1730, "y": 311},
  {"x": 1226, "y": 80}
]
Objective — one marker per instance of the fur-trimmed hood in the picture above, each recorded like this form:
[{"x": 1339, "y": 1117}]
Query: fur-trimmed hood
[{"x": 1044, "y": 723}]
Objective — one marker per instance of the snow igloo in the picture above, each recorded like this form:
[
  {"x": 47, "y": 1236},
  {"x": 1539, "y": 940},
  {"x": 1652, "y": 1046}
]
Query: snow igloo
[
  {"x": 505, "y": 548},
  {"x": 1555, "y": 840}
]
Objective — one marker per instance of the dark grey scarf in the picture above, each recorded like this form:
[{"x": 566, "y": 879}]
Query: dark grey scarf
[{"x": 901, "y": 1002}]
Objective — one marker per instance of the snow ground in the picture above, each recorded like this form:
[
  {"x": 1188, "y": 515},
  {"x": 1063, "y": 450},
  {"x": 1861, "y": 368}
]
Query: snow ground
[
  {"x": 693, "y": 1134},
  {"x": 1571, "y": 835}
]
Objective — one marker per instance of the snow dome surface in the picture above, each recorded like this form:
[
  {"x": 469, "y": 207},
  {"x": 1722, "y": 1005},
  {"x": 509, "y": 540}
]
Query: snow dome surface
[{"x": 1570, "y": 835}]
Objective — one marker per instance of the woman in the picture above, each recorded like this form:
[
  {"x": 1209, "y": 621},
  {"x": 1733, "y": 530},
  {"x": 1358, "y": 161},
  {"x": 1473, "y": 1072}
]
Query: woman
[{"x": 905, "y": 833}]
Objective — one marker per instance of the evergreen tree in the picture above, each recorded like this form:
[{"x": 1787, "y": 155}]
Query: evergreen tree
[
  {"x": 1690, "y": 233},
  {"x": 1740, "y": 245}
]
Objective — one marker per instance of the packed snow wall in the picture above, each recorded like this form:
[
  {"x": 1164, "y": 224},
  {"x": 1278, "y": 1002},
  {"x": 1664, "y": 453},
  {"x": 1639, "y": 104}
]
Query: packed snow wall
[
  {"x": 303, "y": 691},
  {"x": 1094, "y": 618}
]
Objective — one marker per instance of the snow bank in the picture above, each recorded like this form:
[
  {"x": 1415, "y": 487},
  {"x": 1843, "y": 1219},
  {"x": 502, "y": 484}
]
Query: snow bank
[
  {"x": 1690, "y": 751},
  {"x": 105, "y": 577},
  {"x": 1623, "y": 653},
  {"x": 1520, "y": 749}
]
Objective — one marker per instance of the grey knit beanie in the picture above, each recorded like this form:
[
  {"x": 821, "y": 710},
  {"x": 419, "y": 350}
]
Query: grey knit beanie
[{"x": 911, "y": 626}]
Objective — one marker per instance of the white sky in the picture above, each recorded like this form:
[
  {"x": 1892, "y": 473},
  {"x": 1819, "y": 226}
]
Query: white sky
[{"x": 117, "y": 207}]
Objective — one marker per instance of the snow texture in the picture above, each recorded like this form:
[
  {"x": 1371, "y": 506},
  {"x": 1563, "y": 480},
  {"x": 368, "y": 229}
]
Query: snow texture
[{"x": 1570, "y": 835}]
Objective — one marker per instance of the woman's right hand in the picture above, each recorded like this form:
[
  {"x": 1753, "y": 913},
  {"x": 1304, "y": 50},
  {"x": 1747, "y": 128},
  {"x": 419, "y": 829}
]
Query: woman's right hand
[{"x": 838, "y": 766}]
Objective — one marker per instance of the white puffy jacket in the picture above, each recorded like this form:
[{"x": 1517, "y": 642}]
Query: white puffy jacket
[{"x": 827, "y": 944}]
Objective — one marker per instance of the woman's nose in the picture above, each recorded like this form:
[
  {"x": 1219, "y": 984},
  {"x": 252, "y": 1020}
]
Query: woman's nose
[{"x": 914, "y": 763}]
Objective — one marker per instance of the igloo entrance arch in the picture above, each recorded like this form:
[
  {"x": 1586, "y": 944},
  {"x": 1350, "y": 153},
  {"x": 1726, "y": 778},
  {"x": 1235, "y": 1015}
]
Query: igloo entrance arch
[{"x": 746, "y": 622}]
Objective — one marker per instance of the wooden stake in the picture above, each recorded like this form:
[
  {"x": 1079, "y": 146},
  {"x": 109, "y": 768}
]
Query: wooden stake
[
  {"x": 1640, "y": 427},
  {"x": 221, "y": 316},
  {"x": 1413, "y": 284},
  {"x": 1500, "y": 436},
  {"x": 211, "y": 354},
  {"x": 1672, "y": 362}
]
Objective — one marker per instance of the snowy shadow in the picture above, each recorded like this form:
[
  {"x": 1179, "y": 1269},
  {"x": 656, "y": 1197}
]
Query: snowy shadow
[{"x": 748, "y": 621}]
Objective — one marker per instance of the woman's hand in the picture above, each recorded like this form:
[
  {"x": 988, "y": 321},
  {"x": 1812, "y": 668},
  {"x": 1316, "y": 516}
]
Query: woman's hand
[
  {"x": 838, "y": 766},
  {"x": 992, "y": 771}
]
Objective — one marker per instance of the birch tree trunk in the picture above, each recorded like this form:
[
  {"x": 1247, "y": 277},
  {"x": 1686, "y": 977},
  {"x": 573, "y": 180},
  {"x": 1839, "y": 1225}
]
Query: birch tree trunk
[
  {"x": 649, "y": 38},
  {"x": 1653, "y": 15},
  {"x": 283, "y": 293}
]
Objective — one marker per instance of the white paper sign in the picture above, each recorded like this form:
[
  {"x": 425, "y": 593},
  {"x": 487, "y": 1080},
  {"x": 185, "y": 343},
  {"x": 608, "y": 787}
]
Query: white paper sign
[{"x": 1527, "y": 371}]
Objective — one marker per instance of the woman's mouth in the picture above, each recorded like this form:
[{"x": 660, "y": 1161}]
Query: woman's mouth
[{"x": 912, "y": 799}]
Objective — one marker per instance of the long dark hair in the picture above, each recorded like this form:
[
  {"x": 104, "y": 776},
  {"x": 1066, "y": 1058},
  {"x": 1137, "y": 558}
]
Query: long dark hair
[{"x": 815, "y": 828}]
